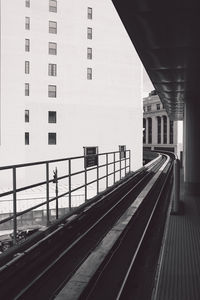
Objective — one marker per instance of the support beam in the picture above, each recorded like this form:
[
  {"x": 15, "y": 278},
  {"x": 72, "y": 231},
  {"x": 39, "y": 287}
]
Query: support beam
[{"x": 192, "y": 148}]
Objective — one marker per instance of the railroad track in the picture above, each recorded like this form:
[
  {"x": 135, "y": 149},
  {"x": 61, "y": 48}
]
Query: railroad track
[{"x": 46, "y": 266}]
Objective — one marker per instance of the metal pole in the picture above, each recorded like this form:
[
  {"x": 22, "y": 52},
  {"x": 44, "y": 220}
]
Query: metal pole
[
  {"x": 176, "y": 202},
  {"x": 70, "y": 185},
  {"x": 97, "y": 179},
  {"x": 125, "y": 162},
  {"x": 47, "y": 191},
  {"x": 85, "y": 184},
  {"x": 14, "y": 207},
  {"x": 129, "y": 160},
  {"x": 106, "y": 170},
  {"x": 56, "y": 182},
  {"x": 114, "y": 167},
  {"x": 120, "y": 165}
]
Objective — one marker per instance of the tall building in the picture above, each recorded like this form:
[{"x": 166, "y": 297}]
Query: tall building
[
  {"x": 159, "y": 132},
  {"x": 70, "y": 77}
]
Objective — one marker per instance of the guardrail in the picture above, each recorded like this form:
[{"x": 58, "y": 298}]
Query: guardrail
[{"x": 120, "y": 165}]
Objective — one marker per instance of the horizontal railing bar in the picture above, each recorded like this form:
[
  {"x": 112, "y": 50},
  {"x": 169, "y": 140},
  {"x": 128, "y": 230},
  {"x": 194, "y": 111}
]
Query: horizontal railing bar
[{"x": 52, "y": 161}]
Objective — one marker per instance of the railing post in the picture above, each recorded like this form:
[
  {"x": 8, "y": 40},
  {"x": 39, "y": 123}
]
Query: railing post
[
  {"x": 85, "y": 184},
  {"x": 120, "y": 165},
  {"x": 47, "y": 191},
  {"x": 56, "y": 182},
  {"x": 106, "y": 170},
  {"x": 14, "y": 207},
  {"x": 129, "y": 160},
  {"x": 97, "y": 179},
  {"x": 125, "y": 163},
  {"x": 114, "y": 168},
  {"x": 70, "y": 185},
  {"x": 176, "y": 202}
]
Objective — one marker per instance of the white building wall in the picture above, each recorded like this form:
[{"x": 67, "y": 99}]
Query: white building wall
[{"x": 105, "y": 111}]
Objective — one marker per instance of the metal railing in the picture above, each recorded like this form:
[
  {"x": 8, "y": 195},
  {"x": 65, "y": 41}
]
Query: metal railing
[{"x": 113, "y": 167}]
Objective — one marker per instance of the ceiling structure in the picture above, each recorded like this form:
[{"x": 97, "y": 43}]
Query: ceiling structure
[{"x": 166, "y": 35}]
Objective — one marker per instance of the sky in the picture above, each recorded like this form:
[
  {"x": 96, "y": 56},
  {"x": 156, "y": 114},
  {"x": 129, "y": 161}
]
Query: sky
[{"x": 147, "y": 85}]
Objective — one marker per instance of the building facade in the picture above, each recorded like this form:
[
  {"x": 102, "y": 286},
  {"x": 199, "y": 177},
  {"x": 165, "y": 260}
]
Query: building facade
[
  {"x": 159, "y": 132},
  {"x": 70, "y": 77}
]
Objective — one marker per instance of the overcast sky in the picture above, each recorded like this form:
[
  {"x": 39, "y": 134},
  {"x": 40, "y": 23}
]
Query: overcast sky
[{"x": 147, "y": 85}]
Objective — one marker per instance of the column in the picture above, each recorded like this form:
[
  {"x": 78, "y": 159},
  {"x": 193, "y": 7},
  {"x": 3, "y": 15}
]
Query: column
[
  {"x": 162, "y": 131},
  {"x": 192, "y": 148}
]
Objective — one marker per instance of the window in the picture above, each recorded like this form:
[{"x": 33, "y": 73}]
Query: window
[
  {"x": 27, "y": 3},
  {"x": 89, "y": 13},
  {"x": 158, "y": 106},
  {"x": 27, "y": 23},
  {"x": 149, "y": 108},
  {"x": 52, "y": 91},
  {"x": 171, "y": 132},
  {"x": 26, "y": 138},
  {"x": 89, "y": 53},
  {"x": 149, "y": 130},
  {"x": 27, "y": 45},
  {"x": 26, "y": 89},
  {"x": 144, "y": 131},
  {"x": 52, "y": 138},
  {"x": 164, "y": 130},
  {"x": 89, "y": 73},
  {"x": 52, "y": 117},
  {"x": 52, "y": 27},
  {"x": 53, "y": 5},
  {"x": 89, "y": 33},
  {"x": 52, "y": 48},
  {"x": 159, "y": 130},
  {"x": 52, "y": 70},
  {"x": 27, "y": 67},
  {"x": 27, "y": 116},
  {"x": 144, "y": 108}
]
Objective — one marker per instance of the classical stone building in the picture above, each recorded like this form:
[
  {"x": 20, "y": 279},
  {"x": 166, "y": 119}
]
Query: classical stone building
[{"x": 159, "y": 132}]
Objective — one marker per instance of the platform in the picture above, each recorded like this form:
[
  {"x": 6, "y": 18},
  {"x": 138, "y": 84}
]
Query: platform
[{"x": 179, "y": 269}]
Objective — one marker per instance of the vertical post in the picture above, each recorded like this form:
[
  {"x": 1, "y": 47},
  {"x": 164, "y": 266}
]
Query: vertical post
[
  {"x": 85, "y": 184},
  {"x": 114, "y": 167},
  {"x": 47, "y": 191},
  {"x": 125, "y": 163},
  {"x": 14, "y": 207},
  {"x": 129, "y": 160},
  {"x": 70, "y": 185},
  {"x": 106, "y": 170},
  {"x": 175, "y": 208},
  {"x": 56, "y": 182},
  {"x": 97, "y": 179},
  {"x": 120, "y": 165}
]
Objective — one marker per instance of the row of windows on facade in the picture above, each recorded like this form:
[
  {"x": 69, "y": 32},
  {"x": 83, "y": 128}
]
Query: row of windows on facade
[
  {"x": 52, "y": 25},
  {"x": 52, "y": 116},
  {"x": 159, "y": 133},
  {"x": 51, "y": 138},
  {"x": 53, "y": 7},
  {"x": 149, "y": 107}
]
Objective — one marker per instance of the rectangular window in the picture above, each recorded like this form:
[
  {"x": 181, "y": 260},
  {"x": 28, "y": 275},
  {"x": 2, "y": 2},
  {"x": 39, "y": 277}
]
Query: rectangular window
[
  {"x": 53, "y": 5},
  {"x": 52, "y": 48},
  {"x": 26, "y": 89},
  {"x": 52, "y": 70},
  {"x": 158, "y": 106},
  {"x": 27, "y": 23},
  {"x": 149, "y": 108},
  {"x": 89, "y": 73},
  {"x": 89, "y": 13},
  {"x": 27, "y": 67},
  {"x": 27, "y": 116},
  {"x": 26, "y": 138},
  {"x": 89, "y": 33},
  {"x": 27, "y": 3},
  {"x": 27, "y": 45},
  {"x": 52, "y": 91},
  {"x": 52, "y": 138},
  {"x": 52, "y": 27},
  {"x": 52, "y": 117},
  {"x": 89, "y": 53}
]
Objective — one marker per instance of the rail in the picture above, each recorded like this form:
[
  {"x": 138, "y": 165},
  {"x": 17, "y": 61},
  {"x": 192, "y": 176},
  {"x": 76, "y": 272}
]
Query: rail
[{"x": 113, "y": 167}]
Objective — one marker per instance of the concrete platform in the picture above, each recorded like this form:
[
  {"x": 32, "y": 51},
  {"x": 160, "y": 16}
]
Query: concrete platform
[{"x": 179, "y": 270}]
